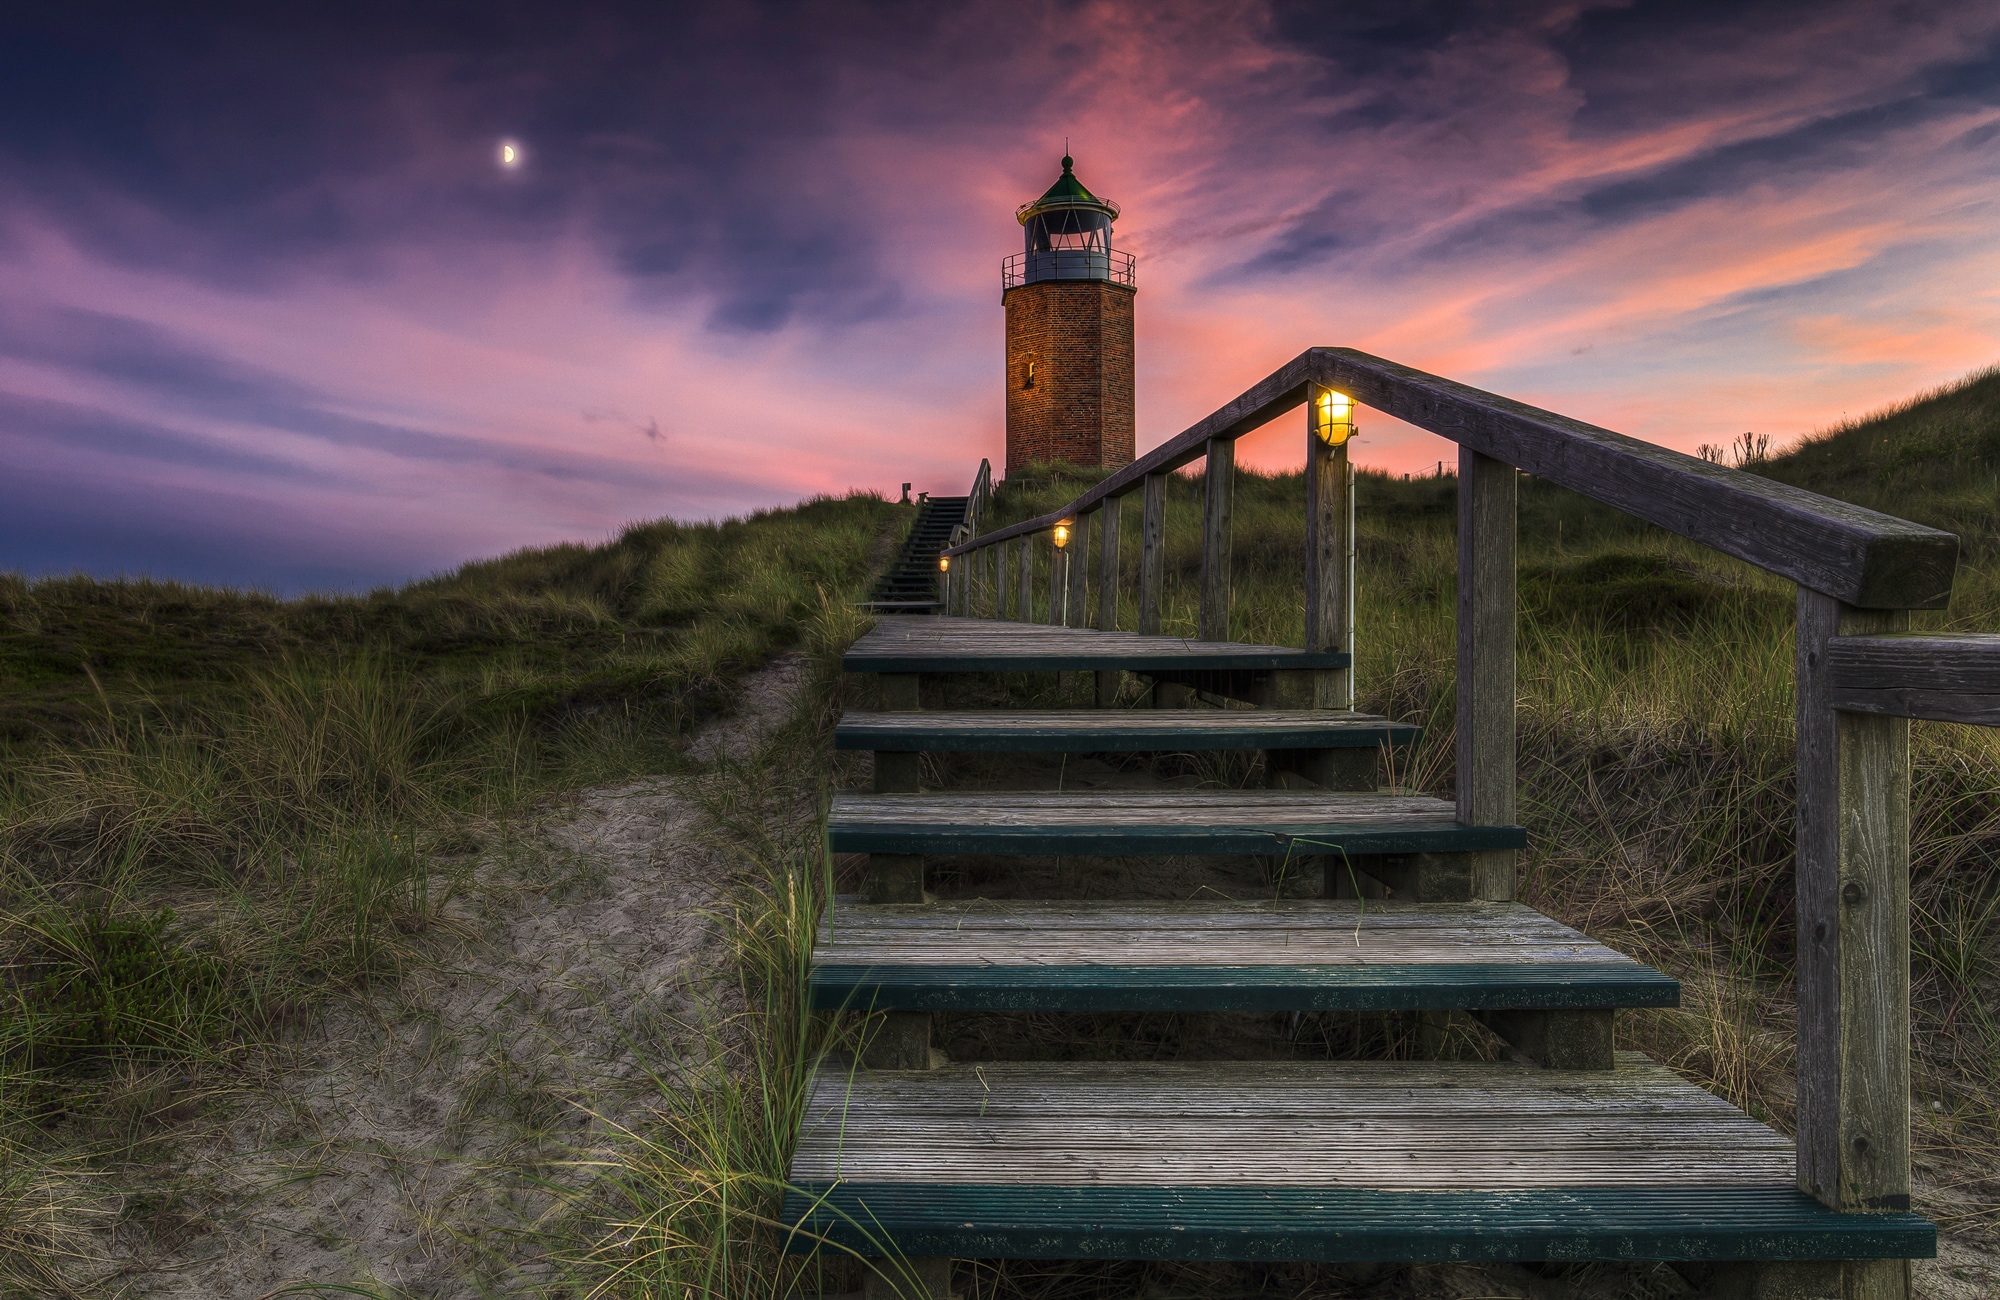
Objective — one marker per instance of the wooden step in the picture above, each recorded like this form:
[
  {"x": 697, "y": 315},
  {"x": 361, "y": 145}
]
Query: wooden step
[
  {"x": 1307, "y": 955},
  {"x": 1101, "y": 731},
  {"x": 1125, "y": 823},
  {"x": 977, "y": 645},
  {"x": 1331, "y": 1161}
]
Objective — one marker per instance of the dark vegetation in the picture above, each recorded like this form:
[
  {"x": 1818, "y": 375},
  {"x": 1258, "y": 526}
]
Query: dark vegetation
[{"x": 219, "y": 809}]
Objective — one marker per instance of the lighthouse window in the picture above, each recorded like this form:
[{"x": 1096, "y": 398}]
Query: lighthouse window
[
  {"x": 1069, "y": 228},
  {"x": 1028, "y": 375}
]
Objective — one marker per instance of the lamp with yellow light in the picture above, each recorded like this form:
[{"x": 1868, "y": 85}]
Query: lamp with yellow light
[
  {"x": 1332, "y": 416},
  {"x": 1061, "y": 535},
  {"x": 944, "y": 564}
]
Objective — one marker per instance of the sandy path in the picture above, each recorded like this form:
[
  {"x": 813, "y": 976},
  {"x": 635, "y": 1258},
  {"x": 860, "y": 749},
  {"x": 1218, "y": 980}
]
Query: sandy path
[{"x": 393, "y": 1153}]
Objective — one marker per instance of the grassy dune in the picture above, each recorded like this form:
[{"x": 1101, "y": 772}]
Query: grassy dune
[{"x": 219, "y": 809}]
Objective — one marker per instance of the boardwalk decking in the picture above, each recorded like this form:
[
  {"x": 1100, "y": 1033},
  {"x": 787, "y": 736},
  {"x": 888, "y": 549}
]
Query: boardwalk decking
[
  {"x": 1103, "y": 731},
  {"x": 1174, "y": 822},
  {"x": 1324, "y": 1160},
  {"x": 905, "y": 644},
  {"x": 1294, "y": 954}
]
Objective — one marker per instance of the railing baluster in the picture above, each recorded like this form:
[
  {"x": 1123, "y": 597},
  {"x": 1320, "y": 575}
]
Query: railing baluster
[
  {"x": 1077, "y": 574},
  {"x": 1002, "y": 594},
  {"x": 1107, "y": 567},
  {"x": 1853, "y": 902},
  {"x": 1215, "y": 539},
  {"x": 1025, "y": 584},
  {"x": 1487, "y": 490},
  {"x": 1330, "y": 562},
  {"x": 1152, "y": 552}
]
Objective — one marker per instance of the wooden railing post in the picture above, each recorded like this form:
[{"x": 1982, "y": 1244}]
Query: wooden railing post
[
  {"x": 1107, "y": 567},
  {"x": 1215, "y": 539},
  {"x": 1152, "y": 552},
  {"x": 1002, "y": 594},
  {"x": 1110, "y": 681},
  {"x": 1025, "y": 586},
  {"x": 1853, "y": 902},
  {"x": 1486, "y": 599},
  {"x": 1077, "y": 573},
  {"x": 1330, "y": 562}
]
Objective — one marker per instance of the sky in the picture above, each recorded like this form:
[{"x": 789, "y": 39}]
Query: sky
[{"x": 274, "y": 311}]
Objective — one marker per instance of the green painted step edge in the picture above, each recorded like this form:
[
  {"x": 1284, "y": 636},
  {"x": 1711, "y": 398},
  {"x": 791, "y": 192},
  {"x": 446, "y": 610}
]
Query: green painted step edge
[
  {"x": 1136, "y": 841},
  {"x": 1112, "y": 738},
  {"x": 1343, "y": 1225},
  {"x": 1080, "y": 660},
  {"x": 1397, "y": 987}
]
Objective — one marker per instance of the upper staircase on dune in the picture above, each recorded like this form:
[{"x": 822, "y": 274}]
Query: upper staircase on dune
[{"x": 1569, "y": 1149}]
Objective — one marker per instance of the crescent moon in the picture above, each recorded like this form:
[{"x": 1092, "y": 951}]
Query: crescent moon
[{"x": 507, "y": 154}]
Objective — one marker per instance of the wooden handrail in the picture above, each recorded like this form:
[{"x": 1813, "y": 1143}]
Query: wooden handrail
[
  {"x": 1861, "y": 557},
  {"x": 1942, "y": 676}
]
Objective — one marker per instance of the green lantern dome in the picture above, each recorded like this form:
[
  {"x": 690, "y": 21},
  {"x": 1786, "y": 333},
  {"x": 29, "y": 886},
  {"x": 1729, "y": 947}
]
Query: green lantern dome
[{"x": 1067, "y": 193}]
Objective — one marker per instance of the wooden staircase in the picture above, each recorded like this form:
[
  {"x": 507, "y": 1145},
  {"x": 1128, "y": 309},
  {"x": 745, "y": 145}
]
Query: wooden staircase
[
  {"x": 1568, "y": 1150},
  {"x": 911, "y": 584}
]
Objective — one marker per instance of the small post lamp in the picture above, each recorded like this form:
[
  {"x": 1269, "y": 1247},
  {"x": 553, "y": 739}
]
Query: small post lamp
[
  {"x": 1059, "y": 575},
  {"x": 1332, "y": 417},
  {"x": 944, "y": 564}
]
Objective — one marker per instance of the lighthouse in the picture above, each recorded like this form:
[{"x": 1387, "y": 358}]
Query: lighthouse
[{"x": 1068, "y": 297}]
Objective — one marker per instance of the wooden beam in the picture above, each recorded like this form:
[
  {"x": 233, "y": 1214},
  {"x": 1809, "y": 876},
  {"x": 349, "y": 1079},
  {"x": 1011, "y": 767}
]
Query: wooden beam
[
  {"x": 1854, "y": 935},
  {"x": 1216, "y": 538},
  {"x": 1025, "y": 605},
  {"x": 1152, "y": 553},
  {"x": 1330, "y": 561},
  {"x": 1863, "y": 557},
  {"x": 1077, "y": 573},
  {"x": 1486, "y": 601},
  {"x": 1107, "y": 568},
  {"x": 1002, "y": 593},
  {"x": 1947, "y": 677}
]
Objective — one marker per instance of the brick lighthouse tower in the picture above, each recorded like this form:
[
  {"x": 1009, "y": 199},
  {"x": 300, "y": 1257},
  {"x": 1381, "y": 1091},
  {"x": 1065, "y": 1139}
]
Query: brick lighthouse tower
[{"x": 1069, "y": 333}]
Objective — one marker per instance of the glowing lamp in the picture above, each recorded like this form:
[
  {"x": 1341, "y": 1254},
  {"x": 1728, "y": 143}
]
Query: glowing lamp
[
  {"x": 1060, "y": 536},
  {"x": 1332, "y": 417},
  {"x": 944, "y": 564}
]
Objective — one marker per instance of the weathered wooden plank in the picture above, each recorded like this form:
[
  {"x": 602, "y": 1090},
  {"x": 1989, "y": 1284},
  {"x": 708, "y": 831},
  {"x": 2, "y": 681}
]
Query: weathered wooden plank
[
  {"x": 1860, "y": 556},
  {"x": 946, "y": 644},
  {"x": 1442, "y": 1126},
  {"x": 1003, "y": 595},
  {"x": 1330, "y": 561},
  {"x": 1486, "y": 614},
  {"x": 1075, "y": 986},
  {"x": 1217, "y": 536},
  {"x": 1946, "y": 677},
  {"x": 1854, "y": 943},
  {"x": 1128, "y": 823},
  {"x": 1338, "y": 1224},
  {"x": 1118, "y": 731},
  {"x": 1152, "y": 552}
]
